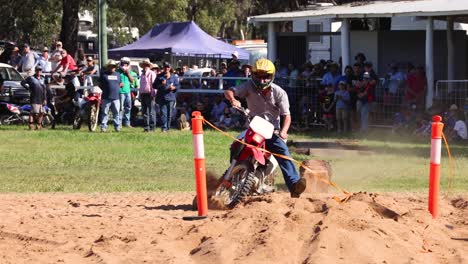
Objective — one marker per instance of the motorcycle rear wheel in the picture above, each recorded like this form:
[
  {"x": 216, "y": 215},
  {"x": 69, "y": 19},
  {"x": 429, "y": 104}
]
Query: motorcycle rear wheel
[
  {"x": 77, "y": 119},
  {"x": 47, "y": 120},
  {"x": 93, "y": 118},
  {"x": 242, "y": 179}
]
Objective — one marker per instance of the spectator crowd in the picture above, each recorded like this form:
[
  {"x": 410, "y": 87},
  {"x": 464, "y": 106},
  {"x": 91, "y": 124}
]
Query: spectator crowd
[{"x": 319, "y": 94}]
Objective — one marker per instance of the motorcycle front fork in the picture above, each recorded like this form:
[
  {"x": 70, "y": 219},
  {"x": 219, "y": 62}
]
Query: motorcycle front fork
[{"x": 225, "y": 180}]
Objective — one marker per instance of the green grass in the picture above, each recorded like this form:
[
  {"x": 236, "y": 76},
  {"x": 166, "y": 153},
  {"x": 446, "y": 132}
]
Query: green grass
[{"x": 64, "y": 160}]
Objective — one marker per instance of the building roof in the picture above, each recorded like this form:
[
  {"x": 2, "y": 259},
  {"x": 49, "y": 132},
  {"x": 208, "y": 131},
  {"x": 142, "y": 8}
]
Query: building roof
[{"x": 374, "y": 9}]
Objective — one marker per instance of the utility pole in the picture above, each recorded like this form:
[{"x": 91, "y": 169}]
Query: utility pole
[{"x": 102, "y": 34}]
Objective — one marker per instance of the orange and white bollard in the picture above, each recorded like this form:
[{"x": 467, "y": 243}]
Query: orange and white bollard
[
  {"x": 434, "y": 173},
  {"x": 200, "y": 171}
]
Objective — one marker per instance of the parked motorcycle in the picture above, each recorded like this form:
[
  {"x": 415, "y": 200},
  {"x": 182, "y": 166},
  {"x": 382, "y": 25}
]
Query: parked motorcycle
[
  {"x": 251, "y": 171},
  {"x": 87, "y": 108},
  {"x": 18, "y": 115}
]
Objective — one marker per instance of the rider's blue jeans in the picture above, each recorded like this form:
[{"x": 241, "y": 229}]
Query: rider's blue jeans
[{"x": 278, "y": 146}]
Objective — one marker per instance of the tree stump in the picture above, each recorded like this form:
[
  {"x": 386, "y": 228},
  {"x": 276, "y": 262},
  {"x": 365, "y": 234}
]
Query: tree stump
[{"x": 319, "y": 169}]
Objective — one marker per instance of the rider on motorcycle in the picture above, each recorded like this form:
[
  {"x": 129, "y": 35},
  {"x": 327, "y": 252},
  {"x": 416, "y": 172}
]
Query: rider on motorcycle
[{"x": 265, "y": 97}]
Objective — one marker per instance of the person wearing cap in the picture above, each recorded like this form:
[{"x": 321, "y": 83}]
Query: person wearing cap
[
  {"x": 38, "y": 98},
  {"x": 110, "y": 82},
  {"x": 332, "y": 76},
  {"x": 28, "y": 61},
  {"x": 56, "y": 55},
  {"x": 147, "y": 95},
  {"x": 167, "y": 84},
  {"x": 235, "y": 56},
  {"x": 342, "y": 100},
  {"x": 127, "y": 80},
  {"x": 44, "y": 61},
  {"x": 15, "y": 57},
  {"x": 365, "y": 98}
]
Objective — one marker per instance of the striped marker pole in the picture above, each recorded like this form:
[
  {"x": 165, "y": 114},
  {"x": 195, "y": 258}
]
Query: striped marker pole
[
  {"x": 200, "y": 172},
  {"x": 434, "y": 172}
]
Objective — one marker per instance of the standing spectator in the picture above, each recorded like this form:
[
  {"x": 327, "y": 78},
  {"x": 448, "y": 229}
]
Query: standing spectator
[
  {"x": 246, "y": 70},
  {"x": 127, "y": 80},
  {"x": 155, "y": 68},
  {"x": 342, "y": 99},
  {"x": 394, "y": 79},
  {"x": 56, "y": 55},
  {"x": 44, "y": 62},
  {"x": 88, "y": 71},
  {"x": 416, "y": 87},
  {"x": 213, "y": 84},
  {"x": 147, "y": 95},
  {"x": 233, "y": 71},
  {"x": 332, "y": 76},
  {"x": 110, "y": 83},
  {"x": 360, "y": 58},
  {"x": 328, "y": 109},
  {"x": 80, "y": 57},
  {"x": 28, "y": 60},
  {"x": 167, "y": 84},
  {"x": 38, "y": 98},
  {"x": 368, "y": 67},
  {"x": 281, "y": 75},
  {"x": 15, "y": 57},
  {"x": 365, "y": 98}
]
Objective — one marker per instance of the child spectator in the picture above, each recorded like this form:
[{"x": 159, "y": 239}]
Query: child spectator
[
  {"x": 328, "y": 107},
  {"x": 342, "y": 107}
]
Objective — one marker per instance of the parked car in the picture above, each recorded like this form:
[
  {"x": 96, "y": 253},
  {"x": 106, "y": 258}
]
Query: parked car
[{"x": 11, "y": 90}]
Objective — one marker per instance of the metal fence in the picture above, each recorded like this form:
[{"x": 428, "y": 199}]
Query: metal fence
[
  {"x": 304, "y": 98},
  {"x": 449, "y": 92}
]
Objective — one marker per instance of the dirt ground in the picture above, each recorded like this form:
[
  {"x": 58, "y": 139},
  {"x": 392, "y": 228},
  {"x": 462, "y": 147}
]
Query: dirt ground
[{"x": 148, "y": 228}]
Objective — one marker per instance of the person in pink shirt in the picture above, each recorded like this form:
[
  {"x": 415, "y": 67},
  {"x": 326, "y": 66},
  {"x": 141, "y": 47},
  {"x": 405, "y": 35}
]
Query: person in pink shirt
[{"x": 147, "y": 95}]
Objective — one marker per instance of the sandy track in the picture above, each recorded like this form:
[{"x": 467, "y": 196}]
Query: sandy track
[{"x": 148, "y": 228}]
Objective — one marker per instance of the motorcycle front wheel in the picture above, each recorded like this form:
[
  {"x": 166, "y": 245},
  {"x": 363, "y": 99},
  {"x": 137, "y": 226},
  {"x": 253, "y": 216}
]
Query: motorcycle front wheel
[
  {"x": 242, "y": 180},
  {"x": 93, "y": 117}
]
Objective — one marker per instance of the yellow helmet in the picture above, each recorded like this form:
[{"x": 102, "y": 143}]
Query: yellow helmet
[{"x": 263, "y": 73}]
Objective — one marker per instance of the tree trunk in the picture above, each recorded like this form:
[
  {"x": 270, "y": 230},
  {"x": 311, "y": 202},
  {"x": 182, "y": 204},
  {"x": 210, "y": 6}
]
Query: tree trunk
[{"x": 70, "y": 23}]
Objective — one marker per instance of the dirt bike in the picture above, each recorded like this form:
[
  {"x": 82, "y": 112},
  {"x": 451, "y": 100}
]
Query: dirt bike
[
  {"x": 87, "y": 107},
  {"x": 251, "y": 171},
  {"x": 20, "y": 115}
]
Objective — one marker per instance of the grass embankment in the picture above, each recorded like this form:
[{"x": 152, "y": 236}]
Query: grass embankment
[{"x": 64, "y": 160}]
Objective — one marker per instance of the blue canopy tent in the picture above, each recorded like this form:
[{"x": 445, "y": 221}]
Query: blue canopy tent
[{"x": 178, "y": 38}]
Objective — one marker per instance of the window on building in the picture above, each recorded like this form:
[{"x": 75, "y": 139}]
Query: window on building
[{"x": 315, "y": 27}]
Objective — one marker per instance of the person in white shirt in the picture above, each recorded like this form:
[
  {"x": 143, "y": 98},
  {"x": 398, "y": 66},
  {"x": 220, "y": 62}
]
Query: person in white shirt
[{"x": 459, "y": 131}]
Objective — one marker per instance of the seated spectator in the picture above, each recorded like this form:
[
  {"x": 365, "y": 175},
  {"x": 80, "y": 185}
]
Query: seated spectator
[
  {"x": 218, "y": 108},
  {"x": 182, "y": 121},
  {"x": 451, "y": 116},
  {"x": 459, "y": 131},
  {"x": 423, "y": 128}
]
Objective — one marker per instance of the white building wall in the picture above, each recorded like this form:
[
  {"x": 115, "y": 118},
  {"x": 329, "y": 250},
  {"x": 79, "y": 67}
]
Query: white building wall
[
  {"x": 317, "y": 50},
  {"x": 413, "y": 23}
]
